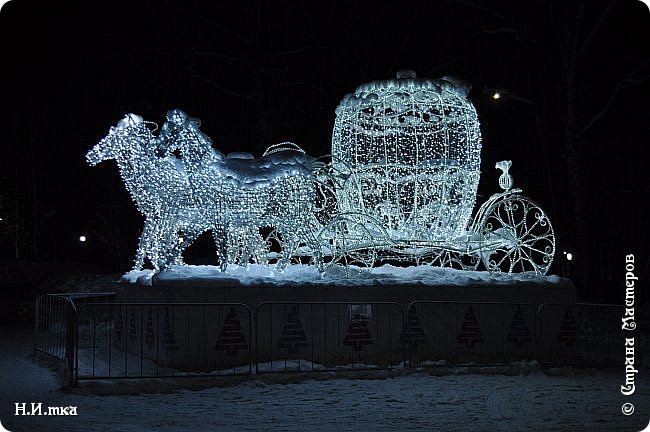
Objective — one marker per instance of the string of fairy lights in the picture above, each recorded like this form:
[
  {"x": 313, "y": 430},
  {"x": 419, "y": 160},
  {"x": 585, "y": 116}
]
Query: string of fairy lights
[
  {"x": 401, "y": 185},
  {"x": 412, "y": 148},
  {"x": 203, "y": 190}
]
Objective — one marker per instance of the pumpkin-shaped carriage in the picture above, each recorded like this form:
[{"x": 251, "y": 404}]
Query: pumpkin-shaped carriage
[{"x": 402, "y": 181}]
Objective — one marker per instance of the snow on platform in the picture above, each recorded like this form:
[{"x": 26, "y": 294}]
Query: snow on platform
[
  {"x": 294, "y": 275},
  {"x": 258, "y": 283}
]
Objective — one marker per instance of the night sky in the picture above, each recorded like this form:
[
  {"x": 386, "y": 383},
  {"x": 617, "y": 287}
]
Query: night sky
[{"x": 257, "y": 73}]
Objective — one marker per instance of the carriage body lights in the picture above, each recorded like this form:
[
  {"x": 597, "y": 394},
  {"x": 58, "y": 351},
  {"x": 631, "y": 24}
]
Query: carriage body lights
[
  {"x": 205, "y": 190},
  {"x": 410, "y": 149}
]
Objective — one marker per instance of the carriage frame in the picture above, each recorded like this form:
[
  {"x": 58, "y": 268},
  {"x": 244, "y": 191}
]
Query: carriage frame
[{"x": 509, "y": 233}]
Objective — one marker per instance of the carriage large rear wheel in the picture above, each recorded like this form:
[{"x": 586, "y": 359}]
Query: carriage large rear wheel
[
  {"x": 350, "y": 240},
  {"x": 516, "y": 236}
]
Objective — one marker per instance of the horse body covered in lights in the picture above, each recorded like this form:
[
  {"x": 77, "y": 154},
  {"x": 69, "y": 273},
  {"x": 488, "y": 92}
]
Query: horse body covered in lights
[{"x": 233, "y": 196}]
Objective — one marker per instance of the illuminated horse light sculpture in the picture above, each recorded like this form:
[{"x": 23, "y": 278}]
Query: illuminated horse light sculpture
[
  {"x": 242, "y": 194},
  {"x": 231, "y": 196},
  {"x": 159, "y": 188}
]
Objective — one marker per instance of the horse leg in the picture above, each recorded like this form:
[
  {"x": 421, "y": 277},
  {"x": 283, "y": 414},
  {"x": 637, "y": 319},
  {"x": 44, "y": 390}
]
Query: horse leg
[
  {"x": 258, "y": 249},
  {"x": 143, "y": 246},
  {"x": 155, "y": 247},
  {"x": 252, "y": 246},
  {"x": 312, "y": 241},
  {"x": 220, "y": 239},
  {"x": 177, "y": 239},
  {"x": 289, "y": 245}
]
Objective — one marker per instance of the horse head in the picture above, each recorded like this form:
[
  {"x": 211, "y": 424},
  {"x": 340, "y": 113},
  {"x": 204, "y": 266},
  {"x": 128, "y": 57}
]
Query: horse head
[
  {"x": 109, "y": 147},
  {"x": 182, "y": 132}
]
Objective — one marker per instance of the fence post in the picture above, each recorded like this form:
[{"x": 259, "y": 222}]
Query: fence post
[{"x": 71, "y": 340}]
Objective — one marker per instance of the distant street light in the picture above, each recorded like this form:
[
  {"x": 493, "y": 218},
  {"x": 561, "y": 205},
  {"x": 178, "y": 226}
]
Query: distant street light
[
  {"x": 496, "y": 95},
  {"x": 82, "y": 238}
]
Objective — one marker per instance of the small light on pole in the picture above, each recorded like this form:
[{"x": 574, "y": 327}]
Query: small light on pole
[
  {"x": 496, "y": 96},
  {"x": 82, "y": 238},
  {"x": 568, "y": 256}
]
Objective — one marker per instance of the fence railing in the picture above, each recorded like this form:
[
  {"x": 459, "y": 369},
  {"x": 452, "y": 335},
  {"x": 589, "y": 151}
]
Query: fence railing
[
  {"x": 146, "y": 340},
  {"x": 55, "y": 323},
  {"x": 99, "y": 338},
  {"x": 325, "y": 336},
  {"x": 586, "y": 334},
  {"x": 437, "y": 333}
]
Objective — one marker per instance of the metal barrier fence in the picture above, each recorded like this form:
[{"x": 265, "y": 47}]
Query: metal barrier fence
[
  {"x": 438, "y": 333},
  {"x": 586, "y": 334},
  {"x": 55, "y": 322},
  {"x": 325, "y": 336},
  {"x": 99, "y": 338},
  {"x": 147, "y": 340}
]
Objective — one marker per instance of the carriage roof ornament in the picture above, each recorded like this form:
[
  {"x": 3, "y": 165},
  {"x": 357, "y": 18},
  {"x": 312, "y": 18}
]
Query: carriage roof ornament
[{"x": 505, "y": 180}]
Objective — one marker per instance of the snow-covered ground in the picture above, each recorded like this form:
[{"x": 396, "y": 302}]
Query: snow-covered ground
[{"x": 565, "y": 400}]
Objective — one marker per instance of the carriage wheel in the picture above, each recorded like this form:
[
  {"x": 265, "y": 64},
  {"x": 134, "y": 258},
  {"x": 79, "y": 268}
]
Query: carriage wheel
[
  {"x": 348, "y": 242},
  {"x": 516, "y": 236},
  {"x": 451, "y": 259}
]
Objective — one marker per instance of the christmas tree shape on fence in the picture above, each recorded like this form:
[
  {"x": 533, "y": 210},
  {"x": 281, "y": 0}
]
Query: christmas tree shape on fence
[
  {"x": 358, "y": 335},
  {"x": 413, "y": 333},
  {"x": 133, "y": 334},
  {"x": 169, "y": 341},
  {"x": 119, "y": 327},
  {"x": 519, "y": 332},
  {"x": 568, "y": 329},
  {"x": 231, "y": 339},
  {"x": 293, "y": 336},
  {"x": 149, "y": 337},
  {"x": 470, "y": 332}
]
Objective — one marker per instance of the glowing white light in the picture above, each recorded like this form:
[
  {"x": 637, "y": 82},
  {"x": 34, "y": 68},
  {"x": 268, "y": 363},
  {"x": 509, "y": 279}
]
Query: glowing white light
[
  {"x": 496, "y": 96},
  {"x": 411, "y": 151},
  {"x": 405, "y": 168},
  {"x": 569, "y": 256},
  {"x": 233, "y": 196},
  {"x": 82, "y": 238}
]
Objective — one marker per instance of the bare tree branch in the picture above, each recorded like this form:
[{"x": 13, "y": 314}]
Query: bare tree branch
[
  {"x": 305, "y": 84},
  {"x": 621, "y": 85},
  {"x": 214, "y": 25},
  {"x": 441, "y": 66},
  {"x": 560, "y": 37},
  {"x": 291, "y": 52},
  {"x": 216, "y": 85},
  {"x": 104, "y": 239},
  {"x": 594, "y": 30},
  {"x": 487, "y": 11},
  {"x": 233, "y": 58}
]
